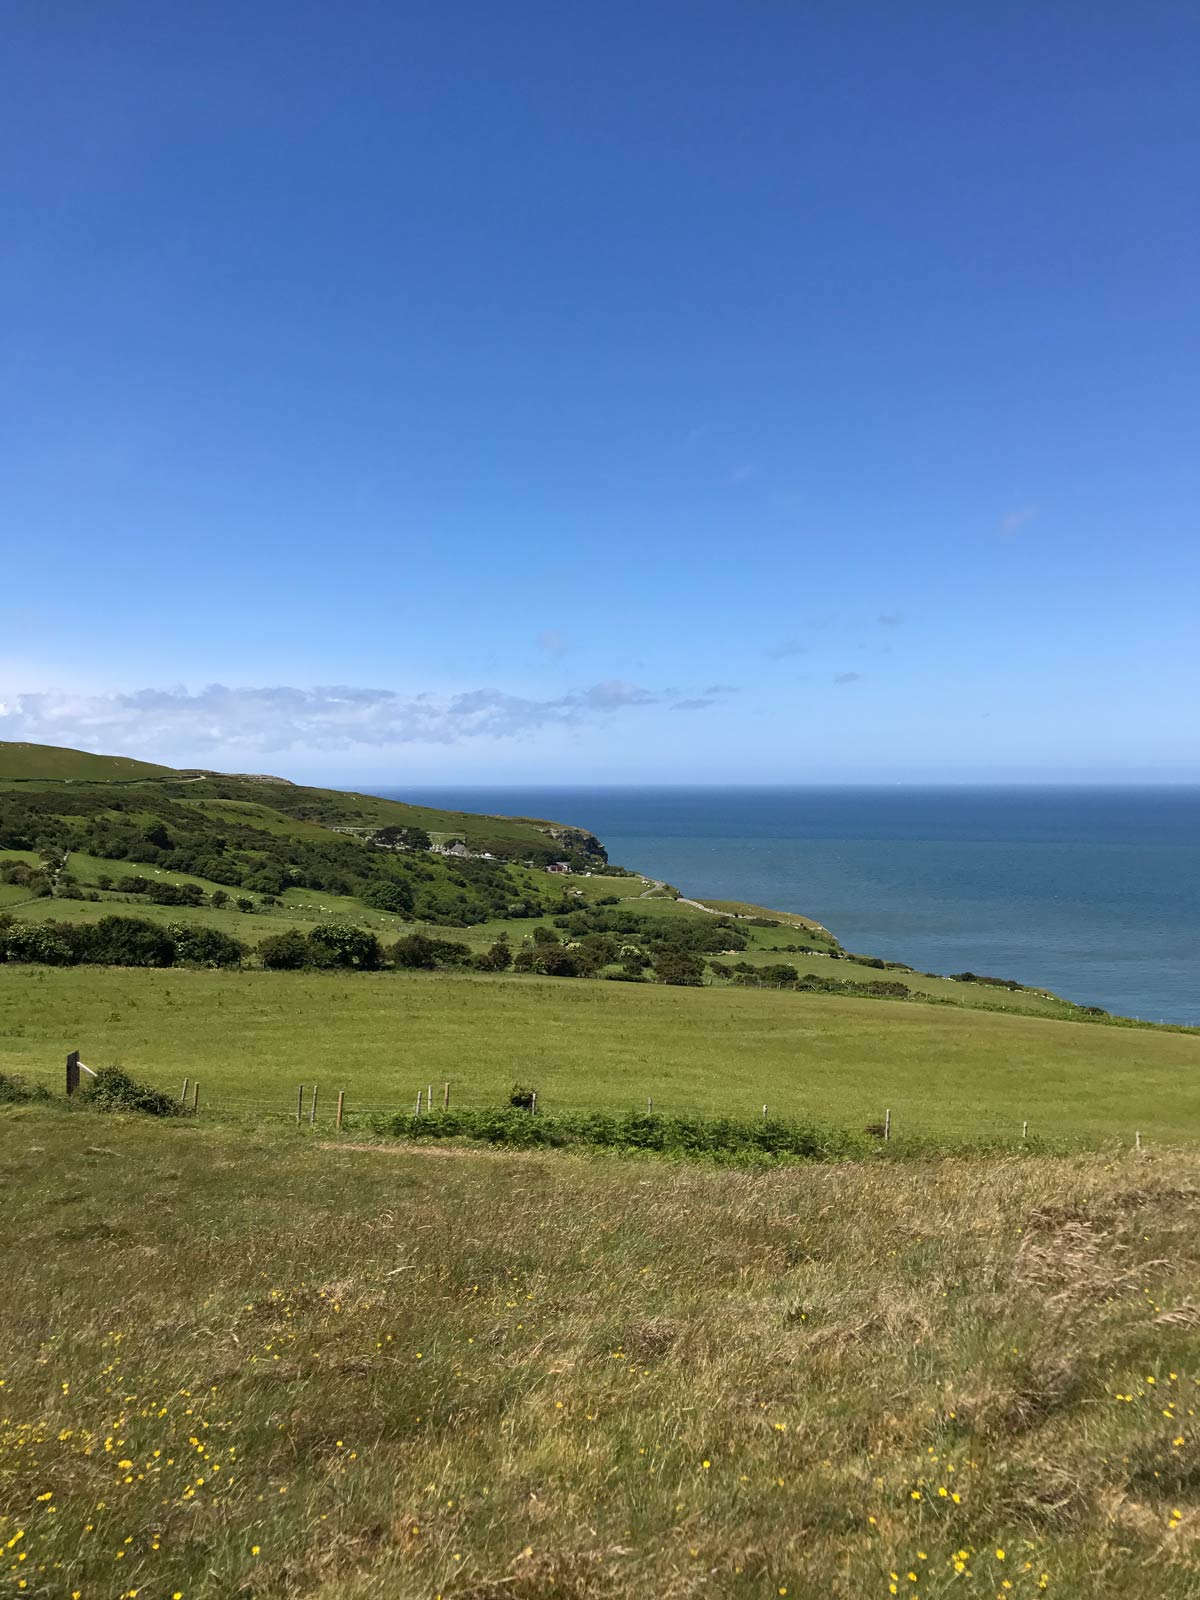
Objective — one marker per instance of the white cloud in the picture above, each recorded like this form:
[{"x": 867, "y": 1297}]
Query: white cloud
[{"x": 177, "y": 721}]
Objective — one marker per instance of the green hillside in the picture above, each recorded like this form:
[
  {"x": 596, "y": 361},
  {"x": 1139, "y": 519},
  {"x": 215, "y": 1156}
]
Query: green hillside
[
  {"x": 19, "y": 761},
  {"x": 225, "y": 866}
]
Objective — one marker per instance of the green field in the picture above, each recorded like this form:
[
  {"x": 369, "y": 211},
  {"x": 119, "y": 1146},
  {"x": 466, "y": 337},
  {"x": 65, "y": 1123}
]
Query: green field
[
  {"x": 255, "y": 1363},
  {"x": 251, "y": 1037},
  {"x": 32, "y": 761}
]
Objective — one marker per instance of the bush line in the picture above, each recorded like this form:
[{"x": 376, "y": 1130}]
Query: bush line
[{"x": 731, "y": 1140}]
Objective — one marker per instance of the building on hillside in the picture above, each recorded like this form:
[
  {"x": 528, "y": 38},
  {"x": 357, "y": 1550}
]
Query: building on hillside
[{"x": 559, "y": 866}]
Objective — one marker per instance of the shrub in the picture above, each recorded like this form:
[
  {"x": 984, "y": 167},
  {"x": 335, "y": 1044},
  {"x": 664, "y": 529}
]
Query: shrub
[
  {"x": 386, "y": 894},
  {"x": 740, "y": 1140},
  {"x": 556, "y": 961},
  {"x": 176, "y": 894},
  {"x": 112, "y": 1089},
  {"x": 341, "y": 944},
  {"x": 126, "y": 942},
  {"x": 497, "y": 958},
  {"x": 284, "y": 952},
  {"x": 32, "y": 941},
  {"x": 206, "y": 947},
  {"x": 680, "y": 968},
  {"x": 777, "y": 975},
  {"x": 415, "y": 951},
  {"x": 15, "y": 1091}
]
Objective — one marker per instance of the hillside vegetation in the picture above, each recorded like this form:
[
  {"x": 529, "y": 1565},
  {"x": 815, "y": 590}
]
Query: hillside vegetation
[
  {"x": 22, "y": 762},
  {"x": 244, "y": 870}
]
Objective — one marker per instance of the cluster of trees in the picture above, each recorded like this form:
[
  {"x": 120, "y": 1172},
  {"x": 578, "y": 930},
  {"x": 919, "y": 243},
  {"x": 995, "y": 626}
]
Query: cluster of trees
[
  {"x": 782, "y": 975},
  {"x": 994, "y": 983},
  {"x": 36, "y": 880},
  {"x": 341, "y": 944},
  {"x": 118, "y": 942}
]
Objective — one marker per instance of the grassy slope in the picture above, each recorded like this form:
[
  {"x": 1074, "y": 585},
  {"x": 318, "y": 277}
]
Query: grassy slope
[
  {"x": 27, "y": 761},
  {"x": 301, "y": 908},
  {"x": 252, "y": 1364},
  {"x": 250, "y": 1037}
]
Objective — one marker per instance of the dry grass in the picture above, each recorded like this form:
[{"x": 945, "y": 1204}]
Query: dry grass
[{"x": 255, "y": 1364}]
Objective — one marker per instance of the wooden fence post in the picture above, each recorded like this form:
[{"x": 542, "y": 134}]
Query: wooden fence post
[
  {"x": 533, "y": 1102},
  {"x": 764, "y": 1113},
  {"x": 1137, "y": 1141},
  {"x": 446, "y": 1098},
  {"x": 341, "y": 1104},
  {"x": 650, "y": 1106},
  {"x": 299, "y": 1104},
  {"x": 418, "y": 1102},
  {"x": 1025, "y": 1130},
  {"x": 72, "y": 1071},
  {"x": 312, "y": 1110},
  {"x": 196, "y": 1095},
  {"x": 183, "y": 1093},
  {"x": 887, "y": 1124}
]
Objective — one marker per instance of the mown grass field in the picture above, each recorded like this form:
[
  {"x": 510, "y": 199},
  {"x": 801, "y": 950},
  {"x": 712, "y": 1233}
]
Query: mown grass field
[
  {"x": 249, "y": 1362},
  {"x": 251, "y": 1037}
]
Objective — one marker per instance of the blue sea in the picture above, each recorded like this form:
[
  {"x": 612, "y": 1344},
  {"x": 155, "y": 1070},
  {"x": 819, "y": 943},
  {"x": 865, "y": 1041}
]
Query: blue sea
[{"x": 1094, "y": 893}]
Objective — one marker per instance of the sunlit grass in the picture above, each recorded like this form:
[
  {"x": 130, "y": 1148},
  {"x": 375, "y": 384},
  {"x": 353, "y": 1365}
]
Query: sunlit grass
[{"x": 254, "y": 1362}]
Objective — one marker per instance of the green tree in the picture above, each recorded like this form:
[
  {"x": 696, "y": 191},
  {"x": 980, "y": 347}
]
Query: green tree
[
  {"x": 680, "y": 967},
  {"x": 284, "y": 952},
  {"x": 388, "y": 894},
  {"x": 341, "y": 944}
]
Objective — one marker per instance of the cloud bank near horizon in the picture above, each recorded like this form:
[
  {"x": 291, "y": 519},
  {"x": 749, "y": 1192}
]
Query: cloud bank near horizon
[{"x": 334, "y": 717}]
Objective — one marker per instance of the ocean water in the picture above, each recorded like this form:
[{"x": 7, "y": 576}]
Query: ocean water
[{"x": 1094, "y": 893}]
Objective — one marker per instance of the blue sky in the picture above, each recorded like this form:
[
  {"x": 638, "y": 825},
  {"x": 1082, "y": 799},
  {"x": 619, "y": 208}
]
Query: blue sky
[{"x": 685, "y": 392}]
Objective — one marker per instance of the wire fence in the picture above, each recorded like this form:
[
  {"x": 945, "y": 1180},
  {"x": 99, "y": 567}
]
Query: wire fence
[{"x": 315, "y": 1104}]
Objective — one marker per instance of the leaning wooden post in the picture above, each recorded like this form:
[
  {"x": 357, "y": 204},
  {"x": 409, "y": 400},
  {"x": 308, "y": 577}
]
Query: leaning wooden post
[
  {"x": 196, "y": 1095},
  {"x": 887, "y": 1124},
  {"x": 72, "y": 1071},
  {"x": 299, "y": 1104},
  {"x": 312, "y": 1110},
  {"x": 341, "y": 1104}
]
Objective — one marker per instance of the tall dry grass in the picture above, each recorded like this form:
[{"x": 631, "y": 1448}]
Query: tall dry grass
[{"x": 264, "y": 1365}]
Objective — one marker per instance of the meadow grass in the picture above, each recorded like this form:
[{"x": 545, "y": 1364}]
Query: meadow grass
[
  {"x": 250, "y": 1037},
  {"x": 250, "y": 1362}
]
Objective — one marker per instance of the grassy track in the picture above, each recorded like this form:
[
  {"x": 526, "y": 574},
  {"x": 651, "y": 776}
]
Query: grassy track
[
  {"x": 255, "y": 1364},
  {"x": 250, "y": 1037}
]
